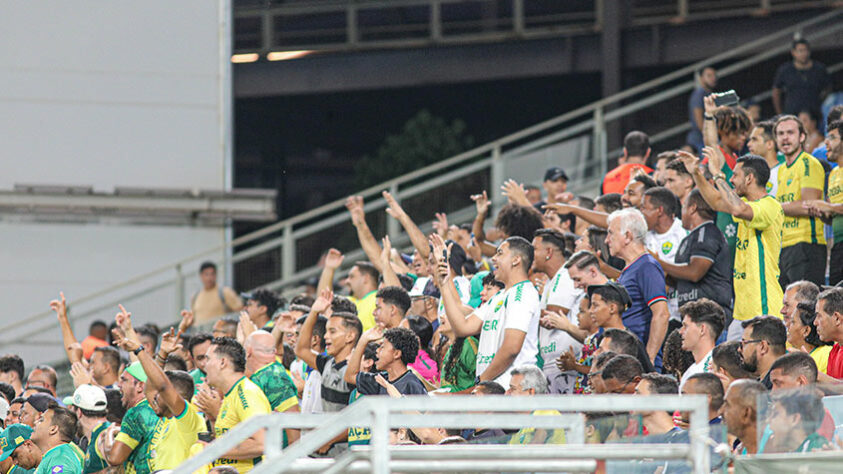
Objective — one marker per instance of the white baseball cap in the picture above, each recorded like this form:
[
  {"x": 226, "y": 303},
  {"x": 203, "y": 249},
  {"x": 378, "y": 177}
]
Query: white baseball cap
[{"x": 89, "y": 397}]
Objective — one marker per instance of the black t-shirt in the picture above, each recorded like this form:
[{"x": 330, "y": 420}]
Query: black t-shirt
[
  {"x": 802, "y": 86},
  {"x": 407, "y": 384},
  {"x": 706, "y": 241}
]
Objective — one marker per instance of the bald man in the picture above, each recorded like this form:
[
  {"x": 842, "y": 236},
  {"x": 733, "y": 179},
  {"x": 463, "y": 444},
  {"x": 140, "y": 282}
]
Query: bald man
[
  {"x": 265, "y": 369},
  {"x": 740, "y": 412}
]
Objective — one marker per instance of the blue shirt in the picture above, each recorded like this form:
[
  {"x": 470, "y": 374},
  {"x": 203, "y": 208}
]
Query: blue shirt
[{"x": 644, "y": 281}]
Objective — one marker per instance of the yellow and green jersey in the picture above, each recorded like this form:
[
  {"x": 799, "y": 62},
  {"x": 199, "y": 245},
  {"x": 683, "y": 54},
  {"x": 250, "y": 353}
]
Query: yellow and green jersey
[
  {"x": 366, "y": 309},
  {"x": 173, "y": 437},
  {"x": 94, "y": 460},
  {"x": 242, "y": 401},
  {"x": 805, "y": 172},
  {"x": 756, "y": 270},
  {"x": 136, "y": 433},
  {"x": 61, "y": 459},
  {"x": 835, "y": 196},
  {"x": 278, "y": 387}
]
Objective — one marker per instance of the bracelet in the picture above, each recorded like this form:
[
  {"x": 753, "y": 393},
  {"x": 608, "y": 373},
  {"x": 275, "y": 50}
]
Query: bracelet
[
  {"x": 138, "y": 350},
  {"x": 708, "y": 117},
  {"x": 720, "y": 176}
]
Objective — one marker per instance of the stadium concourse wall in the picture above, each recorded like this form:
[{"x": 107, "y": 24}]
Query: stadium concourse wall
[{"x": 98, "y": 97}]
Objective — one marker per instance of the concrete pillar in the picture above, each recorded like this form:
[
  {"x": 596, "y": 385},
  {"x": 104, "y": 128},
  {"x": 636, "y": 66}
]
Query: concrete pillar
[{"x": 614, "y": 17}]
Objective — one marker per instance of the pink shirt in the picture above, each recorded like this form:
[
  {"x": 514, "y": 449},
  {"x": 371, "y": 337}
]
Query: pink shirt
[{"x": 426, "y": 367}]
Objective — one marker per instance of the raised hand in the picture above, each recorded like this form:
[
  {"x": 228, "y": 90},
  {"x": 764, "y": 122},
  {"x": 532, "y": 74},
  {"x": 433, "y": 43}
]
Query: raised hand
[
  {"x": 334, "y": 259},
  {"x": 80, "y": 374},
  {"x": 122, "y": 341},
  {"x": 186, "y": 321},
  {"x": 481, "y": 203},
  {"x": 208, "y": 400},
  {"x": 323, "y": 302},
  {"x": 440, "y": 225},
  {"x": 393, "y": 208},
  {"x": 554, "y": 320},
  {"x": 515, "y": 192},
  {"x": 373, "y": 334},
  {"x": 690, "y": 161},
  {"x": 440, "y": 253},
  {"x": 565, "y": 197},
  {"x": 567, "y": 360},
  {"x": 559, "y": 208},
  {"x": 715, "y": 159},
  {"x": 123, "y": 319},
  {"x": 354, "y": 204},
  {"x": 386, "y": 252},
  {"x": 710, "y": 106},
  {"x": 60, "y": 307},
  {"x": 474, "y": 251},
  {"x": 170, "y": 342},
  {"x": 390, "y": 389}
]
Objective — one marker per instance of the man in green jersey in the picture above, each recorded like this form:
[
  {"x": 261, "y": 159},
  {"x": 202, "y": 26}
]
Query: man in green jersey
[
  {"x": 267, "y": 372},
  {"x": 53, "y": 434},
  {"x": 90, "y": 406},
  {"x": 8, "y": 446},
  {"x": 131, "y": 444}
]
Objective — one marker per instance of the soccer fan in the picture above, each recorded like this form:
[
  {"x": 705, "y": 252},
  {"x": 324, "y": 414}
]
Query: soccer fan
[
  {"x": 558, "y": 300},
  {"x": 34, "y": 406},
  {"x": 198, "y": 348},
  {"x": 261, "y": 307},
  {"x": 11, "y": 371},
  {"x": 702, "y": 323},
  {"x": 740, "y": 412},
  {"x": 555, "y": 183},
  {"x": 595, "y": 373},
  {"x": 726, "y": 363},
  {"x": 678, "y": 181},
  {"x": 212, "y": 301},
  {"x": 48, "y": 446},
  {"x": 829, "y": 323},
  {"x": 621, "y": 374},
  {"x": 795, "y": 416},
  {"x": 265, "y": 369},
  {"x": 43, "y": 376},
  {"x": 130, "y": 446},
  {"x": 762, "y": 142},
  {"x": 584, "y": 269},
  {"x": 701, "y": 268},
  {"x": 802, "y": 179},
  {"x": 508, "y": 324},
  {"x": 759, "y": 233},
  {"x": 398, "y": 348},
  {"x": 658, "y": 423},
  {"x": 527, "y": 381},
  {"x": 620, "y": 341},
  {"x": 707, "y": 384},
  {"x": 707, "y": 78},
  {"x": 833, "y": 209},
  {"x": 801, "y": 291},
  {"x": 647, "y": 316},
  {"x": 225, "y": 327},
  {"x": 805, "y": 82},
  {"x": 636, "y": 150},
  {"x": 90, "y": 406},
  {"x": 391, "y": 305},
  {"x": 242, "y": 400},
  {"x": 763, "y": 341},
  {"x": 802, "y": 334}
]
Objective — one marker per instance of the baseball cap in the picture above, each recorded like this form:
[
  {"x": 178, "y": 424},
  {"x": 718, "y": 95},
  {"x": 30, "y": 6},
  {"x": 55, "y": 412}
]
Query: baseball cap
[
  {"x": 554, "y": 173},
  {"x": 12, "y": 437},
  {"x": 88, "y": 397},
  {"x": 41, "y": 401},
  {"x": 136, "y": 371},
  {"x": 617, "y": 287}
]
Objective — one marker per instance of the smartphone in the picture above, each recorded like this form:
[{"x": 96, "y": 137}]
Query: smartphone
[
  {"x": 726, "y": 98},
  {"x": 445, "y": 254}
]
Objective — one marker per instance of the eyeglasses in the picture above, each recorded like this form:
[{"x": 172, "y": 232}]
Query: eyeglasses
[
  {"x": 751, "y": 341},
  {"x": 621, "y": 389}
]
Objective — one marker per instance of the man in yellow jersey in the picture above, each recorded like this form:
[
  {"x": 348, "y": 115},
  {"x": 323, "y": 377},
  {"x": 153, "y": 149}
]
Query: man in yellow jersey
[
  {"x": 242, "y": 400},
  {"x": 801, "y": 178},
  {"x": 362, "y": 280},
  {"x": 833, "y": 209},
  {"x": 179, "y": 422},
  {"x": 759, "y": 217}
]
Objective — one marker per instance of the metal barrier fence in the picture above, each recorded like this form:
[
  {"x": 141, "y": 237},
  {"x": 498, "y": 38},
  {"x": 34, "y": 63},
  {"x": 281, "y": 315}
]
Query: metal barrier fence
[
  {"x": 381, "y": 414},
  {"x": 293, "y": 246},
  {"x": 265, "y": 26}
]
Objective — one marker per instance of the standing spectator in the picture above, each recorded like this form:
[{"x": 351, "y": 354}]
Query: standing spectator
[
  {"x": 97, "y": 335},
  {"x": 660, "y": 166},
  {"x": 803, "y": 254},
  {"x": 363, "y": 282},
  {"x": 636, "y": 150},
  {"x": 701, "y": 267},
  {"x": 261, "y": 306},
  {"x": 58, "y": 453},
  {"x": 821, "y": 152},
  {"x": 707, "y": 82},
  {"x": 584, "y": 270},
  {"x": 834, "y": 207},
  {"x": 702, "y": 323},
  {"x": 509, "y": 324},
  {"x": 555, "y": 183},
  {"x": 647, "y": 316},
  {"x": 43, "y": 376},
  {"x": 268, "y": 373},
  {"x": 558, "y": 300},
  {"x": 813, "y": 136},
  {"x": 90, "y": 406},
  {"x": 678, "y": 181},
  {"x": 660, "y": 209},
  {"x": 740, "y": 412},
  {"x": 762, "y": 142},
  {"x": 130, "y": 447},
  {"x": 759, "y": 233},
  {"x": 764, "y": 340},
  {"x": 805, "y": 82},
  {"x": 198, "y": 348},
  {"x": 11, "y": 371},
  {"x": 829, "y": 323},
  {"x": 212, "y": 301}
]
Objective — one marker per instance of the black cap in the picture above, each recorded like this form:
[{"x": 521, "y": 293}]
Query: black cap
[
  {"x": 554, "y": 173},
  {"x": 617, "y": 287},
  {"x": 41, "y": 401}
]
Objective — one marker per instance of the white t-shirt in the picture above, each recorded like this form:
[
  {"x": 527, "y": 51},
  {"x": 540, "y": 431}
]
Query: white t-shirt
[
  {"x": 704, "y": 365},
  {"x": 311, "y": 396},
  {"x": 559, "y": 291},
  {"x": 773, "y": 184},
  {"x": 666, "y": 246},
  {"x": 515, "y": 308},
  {"x": 463, "y": 286}
]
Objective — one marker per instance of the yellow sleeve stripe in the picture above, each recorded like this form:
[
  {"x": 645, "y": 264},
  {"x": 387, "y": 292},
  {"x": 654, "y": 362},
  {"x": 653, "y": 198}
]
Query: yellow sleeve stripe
[
  {"x": 287, "y": 404},
  {"x": 127, "y": 440}
]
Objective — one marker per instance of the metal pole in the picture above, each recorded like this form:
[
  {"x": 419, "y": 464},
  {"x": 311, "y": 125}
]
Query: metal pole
[
  {"x": 288, "y": 253},
  {"x": 393, "y": 229},
  {"x": 351, "y": 24},
  {"x": 435, "y": 20},
  {"x": 179, "y": 289},
  {"x": 380, "y": 441},
  {"x": 273, "y": 440},
  {"x": 267, "y": 31},
  {"x": 698, "y": 434},
  {"x": 682, "y": 8},
  {"x": 497, "y": 175},
  {"x": 598, "y": 135},
  {"x": 518, "y": 16},
  {"x": 599, "y": 7}
]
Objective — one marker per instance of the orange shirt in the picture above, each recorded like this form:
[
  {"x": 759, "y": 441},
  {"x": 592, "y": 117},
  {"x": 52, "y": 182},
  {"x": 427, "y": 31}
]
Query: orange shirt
[
  {"x": 617, "y": 179},
  {"x": 89, "y": 344}
]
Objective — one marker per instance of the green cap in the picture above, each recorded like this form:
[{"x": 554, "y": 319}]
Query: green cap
[
  {"x": 12, "y": 437},
  {"x": 476, "y": 288},
  {"x": 136, "y": 371}
]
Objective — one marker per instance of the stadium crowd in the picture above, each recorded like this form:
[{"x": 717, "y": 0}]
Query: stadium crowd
[{"x": 712, "y": 274}]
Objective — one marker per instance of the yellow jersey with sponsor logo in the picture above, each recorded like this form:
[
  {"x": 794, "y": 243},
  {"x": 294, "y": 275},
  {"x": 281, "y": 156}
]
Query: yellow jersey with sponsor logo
[
  {"x": 243, "y": 401},
  {"x": 805, "y": 172},
  {"x": 756, "y": 272}
]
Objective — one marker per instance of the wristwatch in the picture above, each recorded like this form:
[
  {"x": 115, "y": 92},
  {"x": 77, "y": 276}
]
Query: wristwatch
[
  {"x": 719, "y": 176},
  {"x": 708, "y": 117},
  {"x": 138, "y": 350}
]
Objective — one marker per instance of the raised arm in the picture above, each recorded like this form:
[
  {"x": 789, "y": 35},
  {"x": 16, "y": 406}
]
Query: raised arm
[
  {"x": 60, "y": 307},
  {"x": 390, "y": 278},
  {"x": 373, "y": 334},
  {"x": 721, "y": 198},
  {"x": 416, "y": 235},
  {"x": 515, "y": 192},
  {"x": 333, "y": 260},
  {"x": 156, "y": 379},
  {"x": 600, "y": 219},
  {"x": 709, "y": 129},
  {"x": 482, "y": 204},
  {"x": 303, "y": 351},
  {"x": 367, "y": 240}
]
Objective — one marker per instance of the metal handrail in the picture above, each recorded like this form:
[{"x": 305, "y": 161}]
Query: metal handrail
[
  {"x": 488, "y": 156},
  {"x": 381, "y": 414}
]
